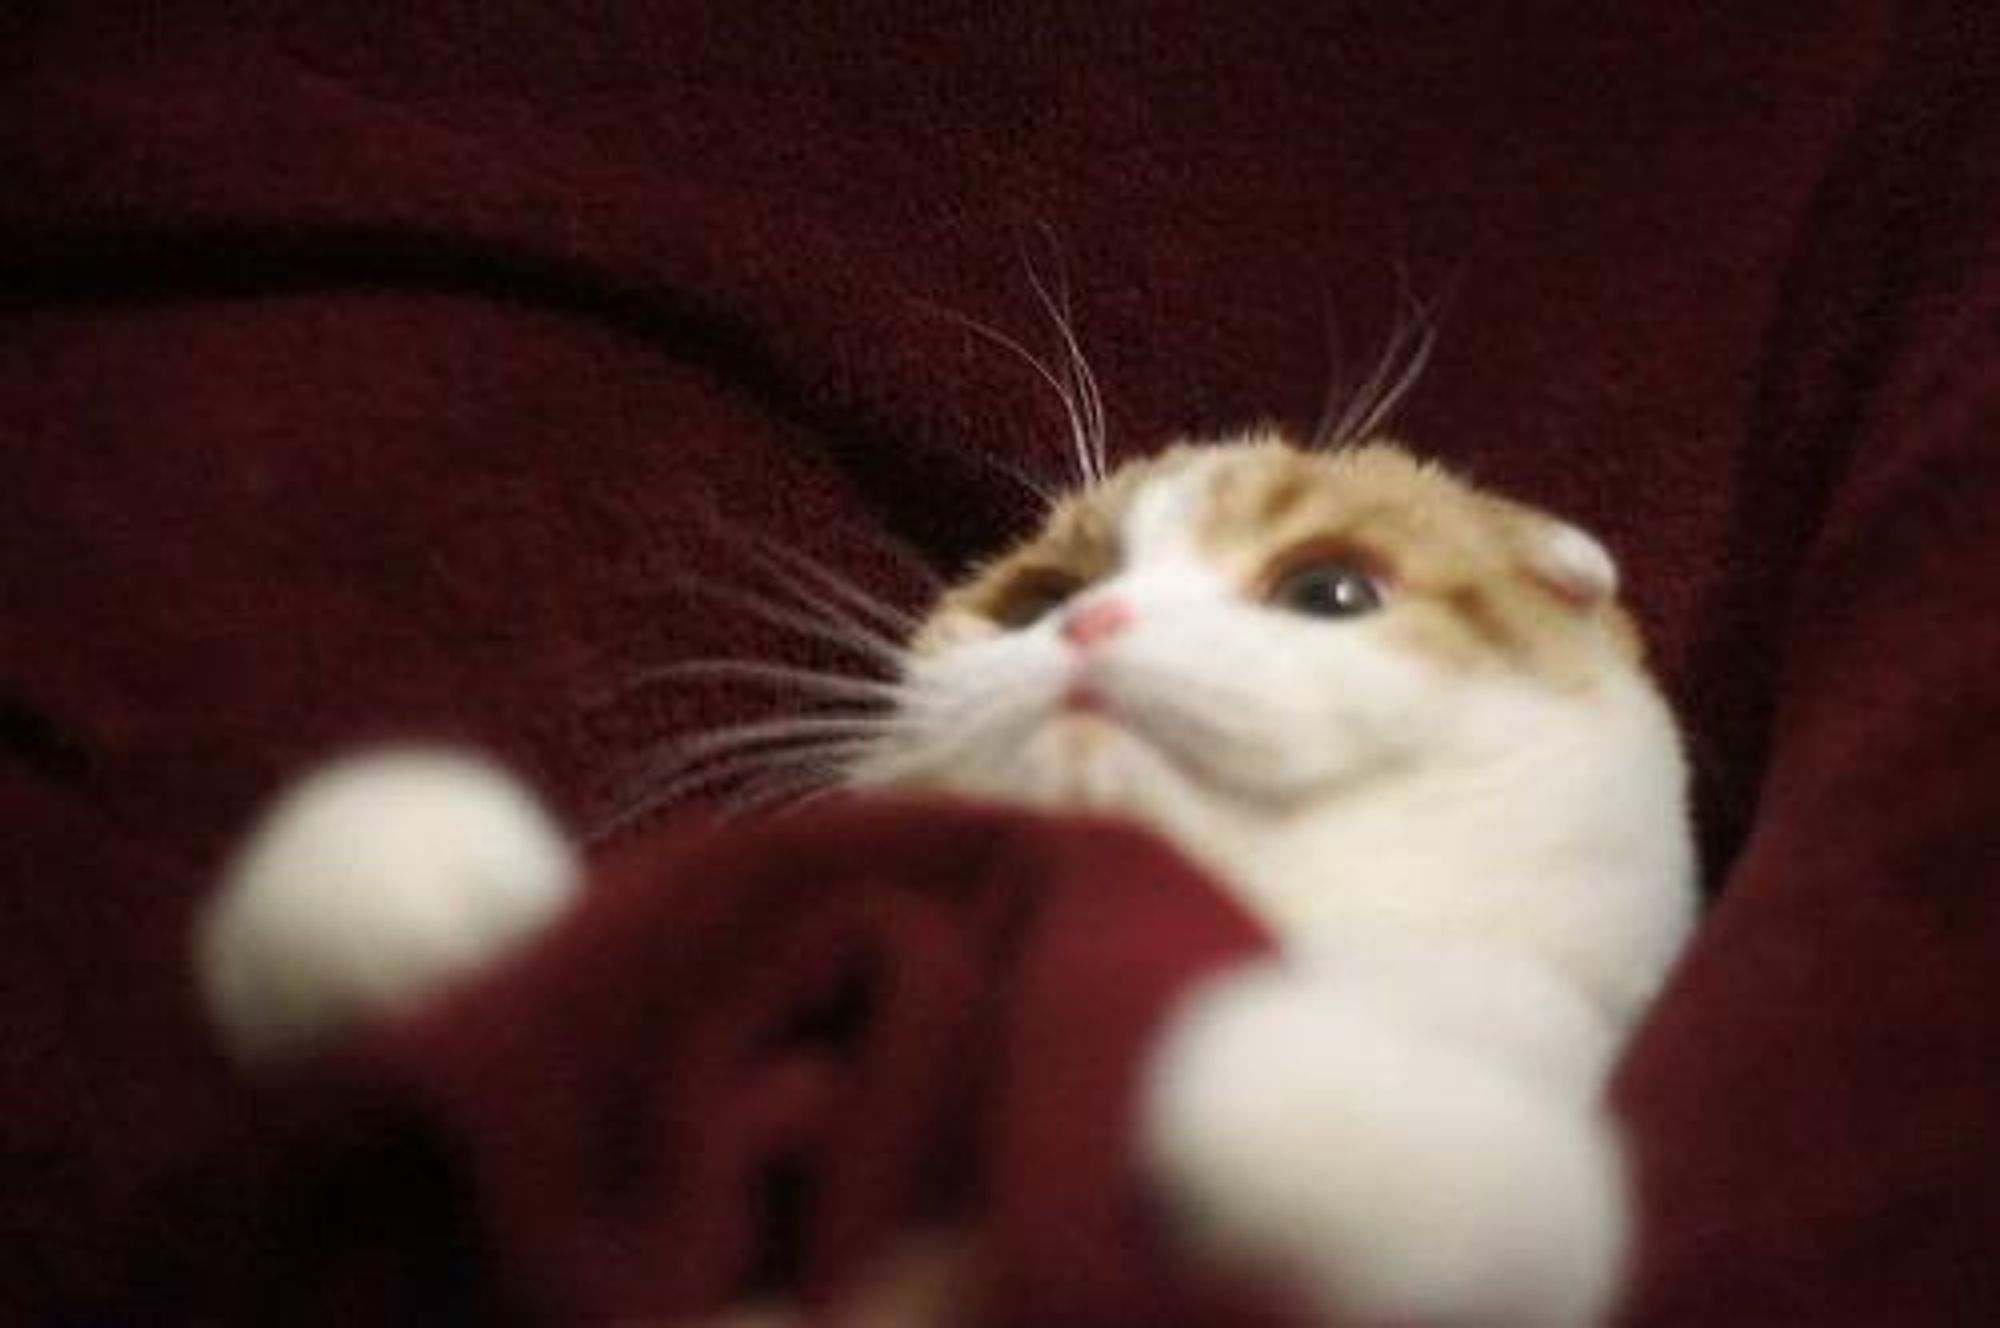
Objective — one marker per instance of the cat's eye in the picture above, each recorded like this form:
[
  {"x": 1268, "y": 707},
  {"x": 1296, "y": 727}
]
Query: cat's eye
[
  {"x": 1329, "y": 588},
  {"x": 1031, "y": 596}
]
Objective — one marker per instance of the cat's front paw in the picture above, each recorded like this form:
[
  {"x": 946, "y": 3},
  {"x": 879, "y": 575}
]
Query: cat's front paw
[
  {"x": 1379, "y": 1174},
  {"x": 369, "y": 885}
]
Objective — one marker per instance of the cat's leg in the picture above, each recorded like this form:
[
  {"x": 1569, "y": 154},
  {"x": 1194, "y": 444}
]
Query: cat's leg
[
  {"x": 368, "y": 886},
  {"x": 1384, "y": 1163}
]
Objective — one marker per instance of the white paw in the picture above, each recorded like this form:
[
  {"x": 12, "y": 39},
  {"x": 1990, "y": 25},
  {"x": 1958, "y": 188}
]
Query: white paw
[
  {"x": 1382, "y": 1174},
  {"x": 368, "y": 886}
]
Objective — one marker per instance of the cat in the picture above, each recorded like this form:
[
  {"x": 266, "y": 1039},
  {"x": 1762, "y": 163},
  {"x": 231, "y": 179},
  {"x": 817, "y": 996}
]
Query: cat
[{"x": 1404, "y": 720}]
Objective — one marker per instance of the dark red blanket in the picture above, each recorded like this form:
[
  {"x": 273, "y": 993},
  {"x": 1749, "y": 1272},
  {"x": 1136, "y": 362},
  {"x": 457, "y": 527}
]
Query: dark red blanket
[
  {"x": 758, "y": 1065},
  {"x": 370, "y": 372}
]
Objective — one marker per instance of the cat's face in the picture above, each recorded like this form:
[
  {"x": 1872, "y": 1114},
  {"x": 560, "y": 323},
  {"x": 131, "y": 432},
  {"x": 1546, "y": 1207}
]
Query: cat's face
[{"x": 1247, "y": 628}]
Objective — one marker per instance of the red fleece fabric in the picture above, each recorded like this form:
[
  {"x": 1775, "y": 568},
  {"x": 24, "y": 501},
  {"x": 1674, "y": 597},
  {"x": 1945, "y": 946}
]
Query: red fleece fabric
[
  {"x": 757, "y": 1063},
  {"x": 371, "y": 372}
]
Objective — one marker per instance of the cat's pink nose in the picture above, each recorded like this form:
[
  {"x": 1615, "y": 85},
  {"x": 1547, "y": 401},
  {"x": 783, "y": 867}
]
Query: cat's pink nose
[{"x": 1087, "y": 624}]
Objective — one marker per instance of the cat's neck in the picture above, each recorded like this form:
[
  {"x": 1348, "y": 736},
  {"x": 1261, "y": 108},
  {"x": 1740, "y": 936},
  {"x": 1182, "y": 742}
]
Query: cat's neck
[{"x": 1560, "y": 849}]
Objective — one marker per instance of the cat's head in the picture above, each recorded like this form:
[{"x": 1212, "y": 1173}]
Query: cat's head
[{"x": 1249, "y": 627}]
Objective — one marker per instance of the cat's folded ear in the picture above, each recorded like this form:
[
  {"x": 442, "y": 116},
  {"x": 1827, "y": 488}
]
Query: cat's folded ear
[{"x": 1566, "y": 559}]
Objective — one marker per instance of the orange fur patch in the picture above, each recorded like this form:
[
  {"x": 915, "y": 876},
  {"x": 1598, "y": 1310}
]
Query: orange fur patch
[{"x": 1459, "y": 564}]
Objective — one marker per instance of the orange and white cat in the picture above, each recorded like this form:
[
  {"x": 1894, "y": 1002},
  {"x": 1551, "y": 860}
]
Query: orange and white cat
[{"x": 1404, "y": 720}]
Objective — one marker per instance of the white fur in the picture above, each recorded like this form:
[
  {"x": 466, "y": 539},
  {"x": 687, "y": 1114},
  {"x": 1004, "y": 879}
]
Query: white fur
[
  {"x": 1479, "y": 879},
  {"x": 366, "y": 888},
  {"x": 1309, "y": 1129}
]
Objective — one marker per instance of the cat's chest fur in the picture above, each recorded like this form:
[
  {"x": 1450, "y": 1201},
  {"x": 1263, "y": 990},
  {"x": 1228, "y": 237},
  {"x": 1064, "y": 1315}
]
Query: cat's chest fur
[{"x": 1570, "y": 847}]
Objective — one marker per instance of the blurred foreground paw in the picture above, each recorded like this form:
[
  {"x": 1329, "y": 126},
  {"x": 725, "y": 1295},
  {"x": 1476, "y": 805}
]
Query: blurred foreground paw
[
  {"x": 368, "y": 886},
  {"x": 1379, "y": 1174}
]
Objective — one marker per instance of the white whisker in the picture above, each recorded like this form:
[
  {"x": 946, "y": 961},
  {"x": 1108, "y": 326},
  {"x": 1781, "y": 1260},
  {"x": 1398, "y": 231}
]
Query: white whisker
[
  {"x": 842, "y": 633},
  {"x": 813, "y": 682},
  {"x": 779, "y": 795},
  {"x": 775, "y": 557},
  {"x": 1044, "y": 495},
  {"x": 1416, "y": 356},
  {"x": 1337, "y": 395},
  {"x": 718, "y": 769},
  {"x": 822, "y": 760},
  {"x": 723, "y": 768},
  {"x": 783, "y": 729},
  {"x": 848, "y": 710},
  {"x": 1369, "y": 408},
  {"x": 1092, "y": 443},
  {"x": 938, "y": 730},
  {"x": 1072, "y": 408},
  {"x": 686, "y": 757}
]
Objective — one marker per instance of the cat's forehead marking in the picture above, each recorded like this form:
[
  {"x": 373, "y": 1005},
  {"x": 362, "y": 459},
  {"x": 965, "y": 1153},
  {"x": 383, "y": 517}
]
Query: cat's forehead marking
[
  {"x": 1279, "y": 492},
  {"x": 1472, "y": 571},
  {"x": 1235, "y": 504},
  {"x": 1467, "y": 562},
  {"x": 1166, "y": 512}
]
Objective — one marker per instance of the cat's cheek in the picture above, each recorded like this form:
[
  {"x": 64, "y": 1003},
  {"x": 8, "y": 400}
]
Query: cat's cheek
[{"x": 1366, "y": 707}]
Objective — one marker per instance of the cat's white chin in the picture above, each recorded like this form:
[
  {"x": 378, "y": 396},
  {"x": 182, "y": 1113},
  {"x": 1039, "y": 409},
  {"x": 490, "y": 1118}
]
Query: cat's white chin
[{"x": 1088, "y": 758}]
